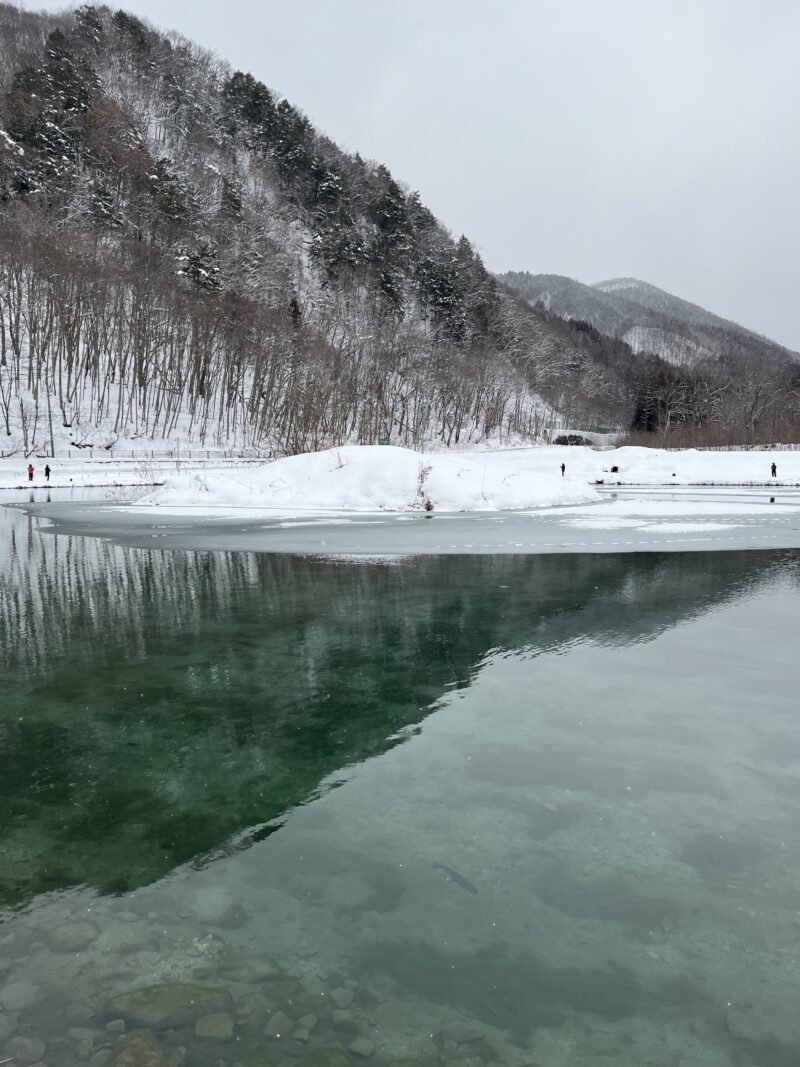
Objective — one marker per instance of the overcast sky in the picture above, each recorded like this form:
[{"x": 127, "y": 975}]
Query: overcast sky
[{"x": 593, "y": 138}]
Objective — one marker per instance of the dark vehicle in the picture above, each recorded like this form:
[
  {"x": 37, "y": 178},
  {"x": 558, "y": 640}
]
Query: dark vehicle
[{"x": 572, "y": 439}]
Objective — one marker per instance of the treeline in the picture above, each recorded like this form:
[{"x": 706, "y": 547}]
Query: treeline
[
  {"x": 706, "y": 380},
  {"x": 738, "y": 396},
  {"x": 141, "y": 135},
  {"x": 727, "y": 400},
  {"x": 99, "y": 336}
]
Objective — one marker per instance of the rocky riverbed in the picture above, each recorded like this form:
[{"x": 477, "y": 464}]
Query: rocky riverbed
[{"x": 147, "y": 991}]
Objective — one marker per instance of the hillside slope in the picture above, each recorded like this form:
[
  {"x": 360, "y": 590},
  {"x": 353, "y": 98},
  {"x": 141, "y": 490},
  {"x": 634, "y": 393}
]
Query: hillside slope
[
  {"x": 647, "y": 318},
  {"x": 184, "y": 257}
]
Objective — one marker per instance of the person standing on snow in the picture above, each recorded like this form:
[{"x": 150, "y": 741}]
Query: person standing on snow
[
  {"x": 30, "y": 472},
  {"x": 563, "y": 469},
  {"x": 47, "y": 471},
  {"x": 774, "y": 470}
]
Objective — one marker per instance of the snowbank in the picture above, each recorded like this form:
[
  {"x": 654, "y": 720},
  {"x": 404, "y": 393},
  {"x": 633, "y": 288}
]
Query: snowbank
[
  {"x": 382, "y": 478},
  {"x": 472, "y": 480},
  {"x": 658, "y": 466}
]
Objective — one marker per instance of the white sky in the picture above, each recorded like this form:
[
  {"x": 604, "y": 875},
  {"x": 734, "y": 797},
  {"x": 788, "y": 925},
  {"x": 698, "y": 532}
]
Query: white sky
[{"x": 593, "y": 138}]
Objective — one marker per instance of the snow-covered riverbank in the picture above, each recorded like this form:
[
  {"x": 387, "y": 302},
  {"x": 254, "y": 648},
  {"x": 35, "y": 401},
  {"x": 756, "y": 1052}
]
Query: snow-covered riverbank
[
  {"x": 395, "y": 479},
  {"x": 382, "y": 478},
  {"x": 660, "y": 466},
  {"x": 386, "y": 478},
  {"x": 99, "y": 470}
]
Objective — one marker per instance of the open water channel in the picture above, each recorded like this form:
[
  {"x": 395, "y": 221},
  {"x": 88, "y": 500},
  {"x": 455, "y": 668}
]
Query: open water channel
[{"x": 462, "y": 810}]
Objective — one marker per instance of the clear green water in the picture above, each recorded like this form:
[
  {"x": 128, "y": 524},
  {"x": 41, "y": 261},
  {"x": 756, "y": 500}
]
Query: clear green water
[{"x": 548, "y": 804}]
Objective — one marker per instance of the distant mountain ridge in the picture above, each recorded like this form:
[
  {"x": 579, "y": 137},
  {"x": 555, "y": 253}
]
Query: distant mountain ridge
[{"x": 647, "y": 318}]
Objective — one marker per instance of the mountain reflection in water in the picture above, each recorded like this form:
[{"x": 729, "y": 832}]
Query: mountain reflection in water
[{"x": 159, "y": 707}]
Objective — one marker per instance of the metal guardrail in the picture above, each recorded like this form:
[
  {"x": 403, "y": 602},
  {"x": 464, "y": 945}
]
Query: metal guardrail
[
  {"x": 148, "y": 455},
  {"x": 721, "y": 448}
]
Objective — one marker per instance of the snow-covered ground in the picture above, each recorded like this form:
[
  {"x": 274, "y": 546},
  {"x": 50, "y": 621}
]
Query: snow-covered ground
[
  {"x": 361, "y": 484},
  {"x": 659, "y": 466},
  {"x": 379, "y": 478},
  {"x": 356, "y": 479},
  {"x": 98, "y": 469},
  {"x": 382, "y": 478}
]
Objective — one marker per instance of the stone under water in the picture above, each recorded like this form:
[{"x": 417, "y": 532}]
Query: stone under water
[{"x": 169, "y": 1005}]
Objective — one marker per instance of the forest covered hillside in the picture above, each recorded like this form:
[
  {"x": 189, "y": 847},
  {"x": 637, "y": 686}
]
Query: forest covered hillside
[
  {"x": 646, "y": 317},
  {"x": 717, "y": 373},
  {"x": 183, "y": 256}
]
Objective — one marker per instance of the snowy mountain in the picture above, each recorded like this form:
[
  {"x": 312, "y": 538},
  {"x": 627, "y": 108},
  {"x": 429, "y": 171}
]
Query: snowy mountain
[
  {"x": 183, "y": 256},
  {"x": 647, "y": 318},
  {"x": 185, "y": 259}
]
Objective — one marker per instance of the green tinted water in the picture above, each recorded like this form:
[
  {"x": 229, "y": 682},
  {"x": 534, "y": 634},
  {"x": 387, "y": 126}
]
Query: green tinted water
[{"x": 465, "y": 811}]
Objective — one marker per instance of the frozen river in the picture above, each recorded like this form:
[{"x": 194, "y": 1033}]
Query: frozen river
[{"x": 650, "y": 520}]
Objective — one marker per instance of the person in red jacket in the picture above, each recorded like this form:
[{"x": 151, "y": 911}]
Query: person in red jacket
[{"x": 30, "y": 472}]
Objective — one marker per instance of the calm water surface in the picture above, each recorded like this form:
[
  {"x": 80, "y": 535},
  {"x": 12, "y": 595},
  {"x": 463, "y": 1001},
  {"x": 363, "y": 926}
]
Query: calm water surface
[{"x": 454, "y": 810}]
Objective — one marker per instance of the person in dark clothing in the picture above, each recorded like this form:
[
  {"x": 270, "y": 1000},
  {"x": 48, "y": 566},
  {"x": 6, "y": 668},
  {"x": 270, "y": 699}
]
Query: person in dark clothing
[
  {"x": 47, "y": 471},
  {"x": 30, "y": 472},
  {"x": 563, "y": 469},
  {"x": 774, "y": 470}
]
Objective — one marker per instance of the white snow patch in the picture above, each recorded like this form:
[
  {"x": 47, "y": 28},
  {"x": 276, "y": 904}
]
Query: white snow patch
[
  {"x": 689, "y": 466},
  {"x": 375, "y": 478},
  {"x": 644, "y": 509},
  {"x": 314, "y": 522},
  {"x": 605, "y": 522},
  {"x": 689, "y": 527}
]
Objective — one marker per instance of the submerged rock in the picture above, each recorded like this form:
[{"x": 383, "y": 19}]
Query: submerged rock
[
  {"x": 126, "y": 938},
  {"x": 83, "y": 1041},
  {"x": 342, "y": 1019},
  {"x": 8, "y": 1026},
  {"x": 171, "y": 1004},
  {"x": 342, "y": 998},
  {"x": 279, "y": 1025},
  {"x": 313, "y": 985},
  {"x": 764, "y": 1026},
  {"x": 326, "y": 1057},
  {"x": 73, "y": 937},
  {"x": 362, "y": 1046},
  {"x": 263, "y": 971},
  {"x": 80, "y": 1012},
  {"x": 82, "y": 1033},
  {"x": 462, "y": 1034},
  {"x": 23, "y": 1049},
  {"x": 17, "y": 996},
  {"x": 140, "y": 1049},
  {"x": 216, "y": 904},
  {"x": 217, "y": 1027}
]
